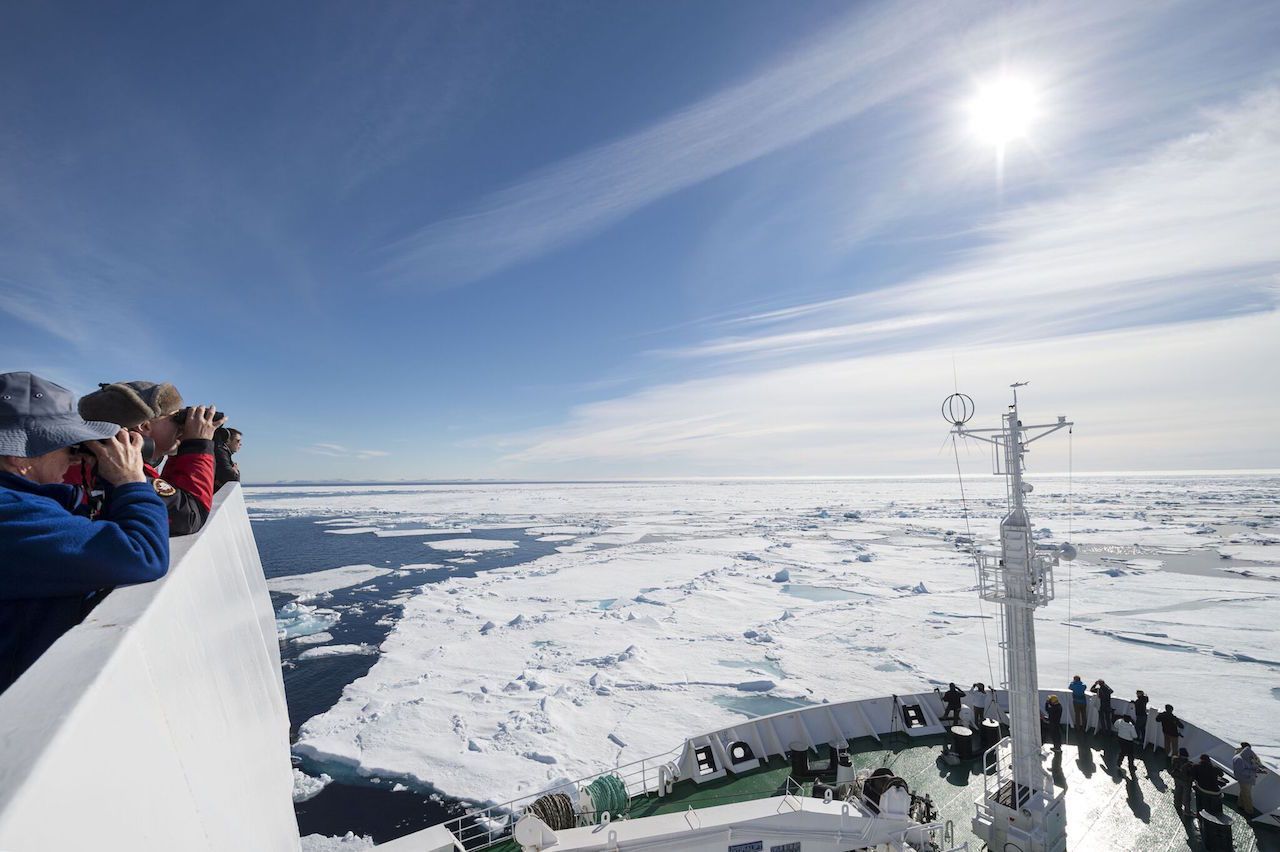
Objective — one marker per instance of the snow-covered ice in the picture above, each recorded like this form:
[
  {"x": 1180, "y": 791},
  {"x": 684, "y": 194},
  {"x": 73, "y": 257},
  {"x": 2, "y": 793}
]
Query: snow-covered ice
[
  {"x": 472, "y": 545},
  {"x": 305, "y": 586},
  {"x": 336, "y": 651},
  {"x": 299, "y": 619},
  {"x": 313, "y": 639},
  {"x": 347, "y": 843},
  {"x": 307, "y": 787},
  {"x": 665, "y": 619}
]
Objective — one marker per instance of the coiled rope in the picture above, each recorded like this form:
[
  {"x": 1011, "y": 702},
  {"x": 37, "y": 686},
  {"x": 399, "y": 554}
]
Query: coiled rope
[
  {"x": 555, "y": 809},
  {"x": 608, "y": 793}
]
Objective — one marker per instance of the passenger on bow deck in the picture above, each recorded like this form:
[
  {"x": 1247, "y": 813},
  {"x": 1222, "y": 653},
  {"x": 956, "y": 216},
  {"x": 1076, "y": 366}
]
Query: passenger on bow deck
[
  {"x": 58, "y": 562},
  {"x": 951, "y": 699},
  {"x": 978, "y": 700},
  {"x": 1140, "y": 716},
  {"x": 1079, "y": 704},
  {"x": 1106, "y": 716},
  {"x": 1124, "y": 730},
  {"x": 1053, "y": 716},
  {"x": 1209, "y": 780},
  {"x": 1171, "y": 727},
  {"x": 154, "y": 410},
  {"x": 1246, "y": 767},
  {"x": 1180, "y": 769}
]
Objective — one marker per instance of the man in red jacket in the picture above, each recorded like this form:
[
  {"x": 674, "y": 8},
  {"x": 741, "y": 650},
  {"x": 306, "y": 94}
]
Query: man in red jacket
[{"x": 185, "y": 435}]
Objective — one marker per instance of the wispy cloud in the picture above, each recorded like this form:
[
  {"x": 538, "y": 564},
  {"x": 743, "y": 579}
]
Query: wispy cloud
[
  {"x": 1092, "y": 294},
  {"x": 339, "y": 451},
  {"x": 1159, "y": 398},
  {"x": 1186, "y": 231},
  {"x": 879, "y": 54}
]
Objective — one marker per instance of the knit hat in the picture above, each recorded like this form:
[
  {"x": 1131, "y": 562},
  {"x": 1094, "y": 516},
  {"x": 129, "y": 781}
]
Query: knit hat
[
  {"x": 130, "y": 403},
  {"x": 38, "y": 417}
]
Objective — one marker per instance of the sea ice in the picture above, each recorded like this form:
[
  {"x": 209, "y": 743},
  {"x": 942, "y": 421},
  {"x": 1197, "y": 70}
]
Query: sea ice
[
  {"x": 337, "y": 651},
  {"x": 298, "y": 619},
  {"x": 347, "y": 843},
  {"x": 422, "y": 532},
  {"x": 314, "y": 639},
  {"x": 306, "y": 586},
  {"x": 306, "y": 787},
  {"x": 484, "y": 678},
  {"x": 471, "y": 545}
]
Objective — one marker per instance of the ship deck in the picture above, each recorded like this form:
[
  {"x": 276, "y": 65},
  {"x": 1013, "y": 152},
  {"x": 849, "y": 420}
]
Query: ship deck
[{"x": 1107, "y": 809}]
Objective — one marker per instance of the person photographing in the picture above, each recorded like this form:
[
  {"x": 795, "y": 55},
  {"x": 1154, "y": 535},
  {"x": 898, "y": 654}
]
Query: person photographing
[{"x": 58, "y": 562}]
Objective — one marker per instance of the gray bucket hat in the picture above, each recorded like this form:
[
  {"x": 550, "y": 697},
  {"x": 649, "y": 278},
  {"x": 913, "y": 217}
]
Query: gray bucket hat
[{"x": 38, "y": 417}]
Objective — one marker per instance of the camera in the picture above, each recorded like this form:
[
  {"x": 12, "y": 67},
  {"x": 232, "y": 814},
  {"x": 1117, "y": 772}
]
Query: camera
[{"x": 180, "y": 416}]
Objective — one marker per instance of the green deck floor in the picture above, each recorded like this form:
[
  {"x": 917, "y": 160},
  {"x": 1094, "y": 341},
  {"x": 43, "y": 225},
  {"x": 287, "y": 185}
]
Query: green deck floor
[{"x": 1107, "y": 810}]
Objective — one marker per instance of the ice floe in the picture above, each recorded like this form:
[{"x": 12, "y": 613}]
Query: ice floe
[
  {"x": 313, "y": 639},
  {"x": 307, "y": 787},
  {"x": 347, "y": 843},
  {"x": 305, "y": 586},
  {"x": 337, "y": 651},
  {"x": 298, "y": 619},
  {"x": 472, "y": 545}
]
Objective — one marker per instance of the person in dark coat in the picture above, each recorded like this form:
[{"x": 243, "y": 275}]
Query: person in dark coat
[
  {"x": 1106, "y": 716},
  {"x": 226, "y": 443},
  {"x": 1180, "y": 769},
  {"x": 58, "y": 562},
  {"x": 1140, "y": 716},
  {"x": 951, "y": 700},
  {"x": 182, "y": 438},
  {"x": 1171, "y": 727},
  {"x": 1209, "y": 780},
  {"x": 1053, "y": 715}
]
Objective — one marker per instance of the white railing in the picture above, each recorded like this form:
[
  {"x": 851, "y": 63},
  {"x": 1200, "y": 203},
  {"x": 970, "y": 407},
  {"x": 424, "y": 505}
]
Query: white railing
[{"x": 160, "y": 722}]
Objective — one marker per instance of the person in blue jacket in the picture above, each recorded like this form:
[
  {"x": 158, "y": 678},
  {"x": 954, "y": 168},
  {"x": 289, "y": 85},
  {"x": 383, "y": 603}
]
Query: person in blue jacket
[
  {"x": 1079, "y": 704},
  {"x": 57, "y": 561}
]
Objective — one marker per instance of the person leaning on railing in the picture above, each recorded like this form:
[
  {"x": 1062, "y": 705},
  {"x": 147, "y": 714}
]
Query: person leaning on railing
[
  {"x": 181, "y": 437},
  {"x": 58, "y": 561}
]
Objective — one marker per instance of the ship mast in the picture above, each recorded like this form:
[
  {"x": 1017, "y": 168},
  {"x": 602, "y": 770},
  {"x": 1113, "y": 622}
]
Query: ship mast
[{"x": 1019, "y": 806}]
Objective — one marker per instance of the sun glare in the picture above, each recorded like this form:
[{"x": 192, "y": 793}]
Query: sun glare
[{"x": 1003, "y": 110}]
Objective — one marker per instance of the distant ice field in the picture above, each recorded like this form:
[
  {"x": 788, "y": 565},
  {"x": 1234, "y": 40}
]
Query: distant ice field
[{"x": 654, "y": 610}]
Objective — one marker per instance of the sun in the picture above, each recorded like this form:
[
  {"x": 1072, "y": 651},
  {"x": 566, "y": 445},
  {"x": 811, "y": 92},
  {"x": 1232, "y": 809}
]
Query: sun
[{"x": 1003, "y": 110}]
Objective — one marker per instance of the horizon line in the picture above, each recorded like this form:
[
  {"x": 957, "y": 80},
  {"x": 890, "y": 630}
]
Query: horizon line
[{"x": 867, "y": 477}]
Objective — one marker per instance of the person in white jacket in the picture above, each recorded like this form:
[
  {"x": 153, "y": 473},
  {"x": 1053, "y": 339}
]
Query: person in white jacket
[
  {"x": 1127, "y": 734},
  {"x": 979, "y": 699}
]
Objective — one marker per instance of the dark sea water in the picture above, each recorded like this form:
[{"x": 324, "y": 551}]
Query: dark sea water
[{"x": 297, "y": 545}]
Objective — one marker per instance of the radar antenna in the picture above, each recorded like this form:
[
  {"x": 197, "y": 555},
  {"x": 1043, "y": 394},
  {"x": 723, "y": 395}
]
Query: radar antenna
[{"x": 1019, "y": 807}]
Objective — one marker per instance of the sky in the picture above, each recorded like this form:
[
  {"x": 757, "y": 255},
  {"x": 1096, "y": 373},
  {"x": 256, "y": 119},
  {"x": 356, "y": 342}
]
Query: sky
[{"x": 600, "y": 239}]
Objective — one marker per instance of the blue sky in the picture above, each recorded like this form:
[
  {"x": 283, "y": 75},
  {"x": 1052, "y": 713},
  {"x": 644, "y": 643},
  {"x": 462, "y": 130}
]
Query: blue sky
[{"x": 562, "y": 240}]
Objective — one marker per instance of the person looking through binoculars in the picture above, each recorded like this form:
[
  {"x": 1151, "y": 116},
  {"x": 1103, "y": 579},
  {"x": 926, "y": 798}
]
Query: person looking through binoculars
[{"x": 182, "y": 435}]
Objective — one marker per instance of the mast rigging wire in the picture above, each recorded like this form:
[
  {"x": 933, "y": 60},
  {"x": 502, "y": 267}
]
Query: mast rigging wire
[{"x": 977, "y": 565}]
